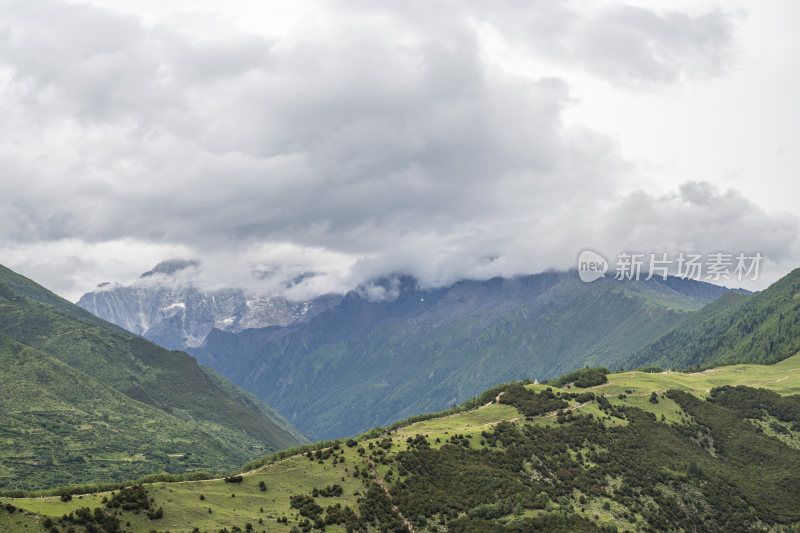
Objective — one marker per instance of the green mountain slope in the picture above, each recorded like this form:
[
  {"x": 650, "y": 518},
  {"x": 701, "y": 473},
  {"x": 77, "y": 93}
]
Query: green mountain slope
[
  {"x": 220, "y": 423},
  {"x": 762, "y": 328},
  {"x": 60, "y": 426},
  {"x": 366, "y": 363},
  {"x": 249, "y": 401},
  {"x": 710, "y": 451},
  {"x": 23, "y": 286}
]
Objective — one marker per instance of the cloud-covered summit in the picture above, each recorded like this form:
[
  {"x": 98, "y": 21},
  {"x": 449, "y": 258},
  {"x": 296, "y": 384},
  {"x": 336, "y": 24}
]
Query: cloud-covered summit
[{"x": 170, "y": 267}]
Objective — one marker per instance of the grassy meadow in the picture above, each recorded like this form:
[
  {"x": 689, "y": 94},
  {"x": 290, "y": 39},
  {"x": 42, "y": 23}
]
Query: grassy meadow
[{"x": 262, "y": 499}]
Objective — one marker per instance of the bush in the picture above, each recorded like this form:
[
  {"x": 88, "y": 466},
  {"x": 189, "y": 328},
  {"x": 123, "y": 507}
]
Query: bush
[
  {"x": 331, "y": 491},
  {"x": 650, "y": 369},
  {"x": 130, "y": 499},
  {"x": 489, "y": 511},
  {"x": 530, "y": 403},
  {"x": 585, "y": 377}
]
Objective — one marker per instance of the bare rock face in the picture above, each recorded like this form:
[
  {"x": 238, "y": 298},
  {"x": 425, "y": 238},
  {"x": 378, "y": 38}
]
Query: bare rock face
[{"x": 179, "y": 316}]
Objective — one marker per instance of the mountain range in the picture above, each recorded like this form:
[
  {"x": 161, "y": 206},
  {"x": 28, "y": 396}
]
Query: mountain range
[
  {"x": 177, "y": 315},
  {"x": 710, "y": 448},
  {"x": 366, "y": 362}
]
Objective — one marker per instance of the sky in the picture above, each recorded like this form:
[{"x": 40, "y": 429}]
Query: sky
[{"x": 306, "y": 147}]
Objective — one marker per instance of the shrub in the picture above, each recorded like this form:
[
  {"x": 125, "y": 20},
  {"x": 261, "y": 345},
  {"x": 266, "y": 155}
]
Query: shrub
[
  {"x": 489, "y": 511},
  {"x": 650, "y": 369},
  {"x": 585, "y": 377},
  {"x": 331, "y": 491}
]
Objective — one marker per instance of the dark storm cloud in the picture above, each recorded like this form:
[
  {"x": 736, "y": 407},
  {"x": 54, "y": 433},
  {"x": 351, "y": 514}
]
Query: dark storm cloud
[{"x": 384, "y": 138}]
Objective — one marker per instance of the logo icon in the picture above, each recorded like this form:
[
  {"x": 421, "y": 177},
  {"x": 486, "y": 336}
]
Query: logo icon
[{"x": 591, "y": 266}]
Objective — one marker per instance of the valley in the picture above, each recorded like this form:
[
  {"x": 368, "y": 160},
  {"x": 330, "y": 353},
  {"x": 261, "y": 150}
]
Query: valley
[{"x": 364, "y": 363}]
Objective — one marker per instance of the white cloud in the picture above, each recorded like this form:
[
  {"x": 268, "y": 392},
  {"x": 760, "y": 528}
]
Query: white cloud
[{"x": 348, "y": 140}]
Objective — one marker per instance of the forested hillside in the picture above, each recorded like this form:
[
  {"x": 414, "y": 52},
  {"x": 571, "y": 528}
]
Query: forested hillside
[
  {"x": 84, "y": 401},
  {"x": 762, "y": 328}
]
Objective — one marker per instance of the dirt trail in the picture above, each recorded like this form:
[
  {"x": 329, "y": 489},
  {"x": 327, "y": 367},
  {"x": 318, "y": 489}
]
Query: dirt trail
[
  {"x": 496, "y": 400},
  {"x": 771, "y": 381},
  {"x": 377, "y": 475}
]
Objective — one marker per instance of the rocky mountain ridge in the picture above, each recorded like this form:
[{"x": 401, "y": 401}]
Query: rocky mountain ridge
[{"x": 178, "y": 316}]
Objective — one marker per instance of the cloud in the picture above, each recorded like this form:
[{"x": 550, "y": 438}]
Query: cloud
[
  {"x": 366, "y": 140},
  {"x": 635, "y": 45},
  {"x": 622, "y": 44},
  {"x": 70, "y": 267},
  {"x": 700, "y": 217}
]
